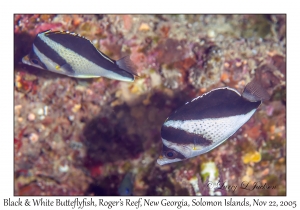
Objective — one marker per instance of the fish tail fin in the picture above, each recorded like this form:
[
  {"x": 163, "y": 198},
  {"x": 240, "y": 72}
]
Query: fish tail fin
[
  {"x": 126, "y": 64},
  {"x": 254, "y": 91}
]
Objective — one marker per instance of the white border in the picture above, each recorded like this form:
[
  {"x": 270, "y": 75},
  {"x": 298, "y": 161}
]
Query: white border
[{"x": 8, "y": 8}]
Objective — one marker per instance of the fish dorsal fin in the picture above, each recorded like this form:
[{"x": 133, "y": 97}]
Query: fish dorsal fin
[
  {"x": 49, "y": 32},
  {"x": 126, "y": 64},
  {"x": 45, "y": 32},
  {"x": 254, "y": 92}
]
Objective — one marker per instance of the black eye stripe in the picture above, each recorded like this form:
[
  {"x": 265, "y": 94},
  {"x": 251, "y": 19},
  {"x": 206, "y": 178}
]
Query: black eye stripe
[
  {"x": 34, "y": 61},
  {"x": 170, "y": 154}
]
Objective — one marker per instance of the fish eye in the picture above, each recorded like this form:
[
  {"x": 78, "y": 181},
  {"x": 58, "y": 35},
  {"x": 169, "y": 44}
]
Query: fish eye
[
  {"x": 35, "y": 61},
  {"x": 171, "y": 154}
]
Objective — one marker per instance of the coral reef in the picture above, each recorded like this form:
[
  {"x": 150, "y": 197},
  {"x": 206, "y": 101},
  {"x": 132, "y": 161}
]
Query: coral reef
[{"x": 81, "y": 136}]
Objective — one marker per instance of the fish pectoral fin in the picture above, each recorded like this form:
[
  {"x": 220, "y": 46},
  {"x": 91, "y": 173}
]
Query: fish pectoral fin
[
  {"x": 67, "y": 69},
  {"x": 126, "y": 64},
  {"x": 197, "y": 147}
]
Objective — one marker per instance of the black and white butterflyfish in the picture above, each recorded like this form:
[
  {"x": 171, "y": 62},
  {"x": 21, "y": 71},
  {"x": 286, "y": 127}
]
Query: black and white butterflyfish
[
  {"x": 208, "y": 120},
  {"x": 75, "y": 56}
]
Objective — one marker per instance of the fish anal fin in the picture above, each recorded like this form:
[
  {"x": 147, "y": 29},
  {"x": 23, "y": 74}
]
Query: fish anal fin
[
  {"x": 254, "y": 91},
  {"x": 126, "y": 64}
]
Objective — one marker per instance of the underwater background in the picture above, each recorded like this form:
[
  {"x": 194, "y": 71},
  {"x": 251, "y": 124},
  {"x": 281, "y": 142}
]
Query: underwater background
[{"x": 82, "y": 136}]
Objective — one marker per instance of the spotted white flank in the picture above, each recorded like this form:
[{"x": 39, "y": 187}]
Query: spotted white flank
[{"x": 213, "y": 129}]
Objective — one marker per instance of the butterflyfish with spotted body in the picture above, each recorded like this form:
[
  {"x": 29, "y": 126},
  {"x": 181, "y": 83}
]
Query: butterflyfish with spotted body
[
  {"x": 208, "y": 120},
  {"x": 75, "y": 56}
]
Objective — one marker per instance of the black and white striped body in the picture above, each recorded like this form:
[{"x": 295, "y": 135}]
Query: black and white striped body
[
  {"x": 204, "y": 123},
  {"x": 75, "y": 56}
]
